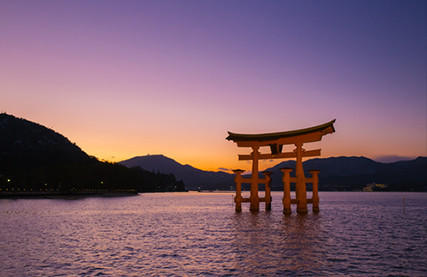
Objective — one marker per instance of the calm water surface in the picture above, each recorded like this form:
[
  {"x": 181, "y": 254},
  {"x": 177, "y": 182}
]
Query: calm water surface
[{"x": 189, "y": 234}]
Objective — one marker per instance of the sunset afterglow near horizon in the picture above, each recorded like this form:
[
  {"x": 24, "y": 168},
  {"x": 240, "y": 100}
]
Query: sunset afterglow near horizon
[{"x": 130, "y": 78}]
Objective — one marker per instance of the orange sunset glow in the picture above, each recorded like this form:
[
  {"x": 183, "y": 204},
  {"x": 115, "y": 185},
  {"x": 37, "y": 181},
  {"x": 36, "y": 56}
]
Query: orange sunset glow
[{"x": 140, "y": 78}]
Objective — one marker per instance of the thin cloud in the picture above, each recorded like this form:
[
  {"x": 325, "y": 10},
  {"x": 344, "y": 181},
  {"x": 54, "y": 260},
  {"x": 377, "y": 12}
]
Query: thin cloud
[{"x": 392, "y": 158}]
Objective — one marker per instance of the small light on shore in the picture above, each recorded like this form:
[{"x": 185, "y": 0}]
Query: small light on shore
[{"x": 8, "y": 180}]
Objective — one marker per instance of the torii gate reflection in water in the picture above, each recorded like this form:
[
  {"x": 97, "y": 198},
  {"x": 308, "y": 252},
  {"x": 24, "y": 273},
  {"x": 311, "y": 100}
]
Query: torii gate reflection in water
[{"x": 276, "y": 141}]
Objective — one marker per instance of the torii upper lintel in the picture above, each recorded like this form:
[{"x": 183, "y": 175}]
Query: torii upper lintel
[{"x": 310, "y": 134}]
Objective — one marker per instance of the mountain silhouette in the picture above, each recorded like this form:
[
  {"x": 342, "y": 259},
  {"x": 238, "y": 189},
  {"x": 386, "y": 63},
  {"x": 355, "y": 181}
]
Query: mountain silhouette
[
  {"x": 336, "y": 173},
  {"x": 192, "y": 177},
  {"x": 354, "y": 173},
  {"x": 36, "y": 159},
  {"x": 34, "y": 144}
]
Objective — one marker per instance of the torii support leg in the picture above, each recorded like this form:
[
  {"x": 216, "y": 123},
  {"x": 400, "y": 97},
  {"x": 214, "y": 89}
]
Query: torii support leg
[
  {"x": 315, "y": 176},
  {"x": 300, "y": 190},
  {"x": 254, "y": 181},
  {"x": 267, "y": 190},
  {"x": 286, "y": 190},
  {"x": 238, "y": 181}
]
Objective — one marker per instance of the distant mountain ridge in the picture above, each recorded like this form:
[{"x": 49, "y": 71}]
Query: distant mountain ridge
[
  {"x": 336, "y": 173},
  {"x": 193, "y": 178},
  {"x": 354, "y": 173}
]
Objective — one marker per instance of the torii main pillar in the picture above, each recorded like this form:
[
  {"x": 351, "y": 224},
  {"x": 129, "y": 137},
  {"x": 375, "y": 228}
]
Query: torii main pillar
[{"x": 276, "y": 141}]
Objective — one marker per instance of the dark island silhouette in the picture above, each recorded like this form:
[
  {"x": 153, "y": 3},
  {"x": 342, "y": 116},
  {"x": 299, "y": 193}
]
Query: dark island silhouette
[
  {"x": 337, "y": 173},
  {"x": 35, "y": 160}
]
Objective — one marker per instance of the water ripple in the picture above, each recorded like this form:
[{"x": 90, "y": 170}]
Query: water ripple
[{"x": 357, "y": 234}]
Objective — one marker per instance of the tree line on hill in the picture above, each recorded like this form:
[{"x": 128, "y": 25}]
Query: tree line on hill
[{"x": 34, "y": 158}]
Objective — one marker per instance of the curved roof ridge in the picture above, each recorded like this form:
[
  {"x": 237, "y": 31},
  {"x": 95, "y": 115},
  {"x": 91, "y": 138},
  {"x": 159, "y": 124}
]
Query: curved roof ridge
[{"x": 272, "y": 136}]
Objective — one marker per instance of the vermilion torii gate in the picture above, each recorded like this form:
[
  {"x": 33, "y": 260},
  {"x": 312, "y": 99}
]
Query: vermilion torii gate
[{"x": 276, "y": 141}]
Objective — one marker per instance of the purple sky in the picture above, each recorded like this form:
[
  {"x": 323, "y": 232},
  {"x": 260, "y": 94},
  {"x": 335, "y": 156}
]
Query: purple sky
[{"x": 127, "y": 78}]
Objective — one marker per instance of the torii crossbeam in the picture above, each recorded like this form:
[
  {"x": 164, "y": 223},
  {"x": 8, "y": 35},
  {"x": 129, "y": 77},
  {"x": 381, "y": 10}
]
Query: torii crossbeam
[{"x": 276, "y": 141}]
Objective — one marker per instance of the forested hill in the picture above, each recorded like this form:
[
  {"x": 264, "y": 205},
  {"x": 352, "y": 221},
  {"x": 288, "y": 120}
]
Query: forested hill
[
  {"x": 35, "y": 158},
  {"x": 21, "y": 139},
  {"x": 193, "y": 178},
  {"x": 356, "y": 173},
  {"x": 336, "y": 173}
]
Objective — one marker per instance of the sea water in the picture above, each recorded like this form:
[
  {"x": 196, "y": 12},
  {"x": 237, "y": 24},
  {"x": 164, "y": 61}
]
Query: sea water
[{"x": 199, "y": 234}]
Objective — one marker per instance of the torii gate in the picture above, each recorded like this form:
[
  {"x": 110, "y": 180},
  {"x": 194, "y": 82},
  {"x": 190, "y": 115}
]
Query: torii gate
[{"x": 276, "y": 141}]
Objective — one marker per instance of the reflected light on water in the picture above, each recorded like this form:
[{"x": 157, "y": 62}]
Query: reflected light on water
[{"x": 188, "y": 234}]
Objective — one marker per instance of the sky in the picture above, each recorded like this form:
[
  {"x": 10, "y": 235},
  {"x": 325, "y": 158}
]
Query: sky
[{"x": 129, "y": 78}]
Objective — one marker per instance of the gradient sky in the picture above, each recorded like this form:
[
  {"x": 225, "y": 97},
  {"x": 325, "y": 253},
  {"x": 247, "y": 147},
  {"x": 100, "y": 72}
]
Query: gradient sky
[{"x": 128, "y": 78}]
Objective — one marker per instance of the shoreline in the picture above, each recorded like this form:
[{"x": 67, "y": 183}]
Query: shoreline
[
  {"x": 59, "y": 195},
  {"x": 79, "y": 195}
]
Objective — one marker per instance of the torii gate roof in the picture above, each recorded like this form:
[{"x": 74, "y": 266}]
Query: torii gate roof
[{"x": 325, "y": 128}]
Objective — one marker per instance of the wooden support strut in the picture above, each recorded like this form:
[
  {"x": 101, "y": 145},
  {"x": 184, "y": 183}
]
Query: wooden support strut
[
  {"x": 254, "y": 180},
  {"x": 248, "y": 180},
  {"x": 238, "y": 180},
  {"x": 267, "y": 190},
  {"x": 287, "y": 180},
  {"x": 315, "y": 196},
  {"x": 286, "y": 190},
  {"x": 300, "y": 189},
  {"x": 285, "y": 155}
]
